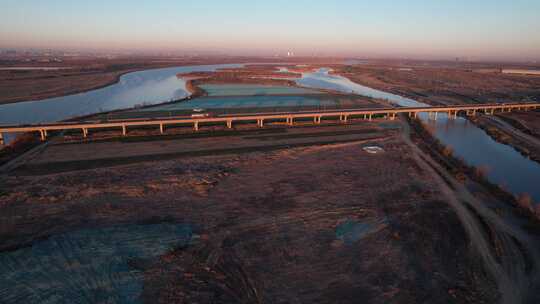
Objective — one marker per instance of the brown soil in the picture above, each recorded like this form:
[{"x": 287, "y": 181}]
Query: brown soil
[
  {"x": 85, "y": 75},
  {"x": 444, "y": 85},
  {"x": 34, "y": 85},
  {"x": 107, "y": 148},
  {"x": 527, "y": 122},
  {"x": 506, "y": 130},
  {"x": 269, "y": 223},
  {"x": 251, "y": 74},
  {"x": 510, "y": 230}
]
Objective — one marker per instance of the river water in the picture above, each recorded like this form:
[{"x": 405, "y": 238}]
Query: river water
[
  {"x": 134, "y": 89},
  {"x": 502, "y": 164}
]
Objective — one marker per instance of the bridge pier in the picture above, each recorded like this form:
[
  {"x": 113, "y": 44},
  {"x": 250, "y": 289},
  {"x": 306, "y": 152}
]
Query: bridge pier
[
  {"x": 85, "y": 132},
  {"x": 260, "y": 123},
  {"x": 1, "y": 139},
  {"x": 344, "y": 115},
  {"x": 471, "y": 112},
  {"x": 290, "y": 121},
  {"x": 43, "y": 134}
]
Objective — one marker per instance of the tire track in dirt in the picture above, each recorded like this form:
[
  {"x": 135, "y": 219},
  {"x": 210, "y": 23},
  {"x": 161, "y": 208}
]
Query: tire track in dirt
[{"x": 510, "y": 271}]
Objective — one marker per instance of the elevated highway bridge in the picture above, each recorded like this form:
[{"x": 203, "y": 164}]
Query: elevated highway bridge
[{"x": 344, "y": 115}]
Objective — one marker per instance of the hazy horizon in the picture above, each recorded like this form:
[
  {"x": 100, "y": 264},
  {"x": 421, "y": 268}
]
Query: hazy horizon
[{"x": 483, "y": 30}]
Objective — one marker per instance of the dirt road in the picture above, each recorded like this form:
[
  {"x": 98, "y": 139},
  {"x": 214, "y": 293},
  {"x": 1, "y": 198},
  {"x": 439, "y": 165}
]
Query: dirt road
[{"x": 508, "y": 253}]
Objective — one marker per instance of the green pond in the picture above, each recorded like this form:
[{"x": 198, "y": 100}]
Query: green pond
[
  {"x": 246, "y": 102},
  {"x": 254, "y": 90}
]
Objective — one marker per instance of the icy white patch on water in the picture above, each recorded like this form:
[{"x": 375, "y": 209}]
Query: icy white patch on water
[
  {"x": 322, "y": 79},
  {"x": 134, "y": 89}
]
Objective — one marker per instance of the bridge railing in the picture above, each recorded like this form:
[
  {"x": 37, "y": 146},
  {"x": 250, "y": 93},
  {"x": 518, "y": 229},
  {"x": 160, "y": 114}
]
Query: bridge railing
[{"x": 260, "y": 118}]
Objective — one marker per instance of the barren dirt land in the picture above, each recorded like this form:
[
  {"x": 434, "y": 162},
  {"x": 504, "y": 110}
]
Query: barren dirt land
[
  {"x": 272, "y": 215},
  {"x": 86, "y": 74},
  {"x": 445, "y": 85},
  {"x": 320, "y": 223},
  {"x": 299, "y": 215},
  {"x": 461, "y": 83}
]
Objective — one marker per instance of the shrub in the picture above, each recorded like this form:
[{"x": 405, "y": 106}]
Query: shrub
[{"x": 524, "y": 200}]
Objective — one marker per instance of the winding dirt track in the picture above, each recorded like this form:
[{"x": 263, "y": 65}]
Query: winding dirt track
[{"x": 514, "y": 282}]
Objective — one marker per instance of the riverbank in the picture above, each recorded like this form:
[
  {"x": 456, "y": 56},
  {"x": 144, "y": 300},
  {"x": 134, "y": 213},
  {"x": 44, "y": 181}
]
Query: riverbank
[
  {"x": 19, "y": 146},
  {"x": 527, "y": 122},
  {"x": 34, "y": 85},
  {"x": 250, "y": 74},
  {"x": 507, "y": 235},
  {"x": 84, "y": 76},
  {"x": 443, "y": 85},
  {"x": 501, "y": 131},
  {"x": 523, "y": 205}
]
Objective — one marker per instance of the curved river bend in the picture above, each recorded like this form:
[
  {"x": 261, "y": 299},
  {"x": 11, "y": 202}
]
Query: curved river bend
[
  {"x": 138, "y": 88},
  {"x": 504, "y": 165}
]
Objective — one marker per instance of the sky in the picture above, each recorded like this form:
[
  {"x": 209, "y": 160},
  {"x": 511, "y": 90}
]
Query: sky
[{"x": 477, "y": 29}]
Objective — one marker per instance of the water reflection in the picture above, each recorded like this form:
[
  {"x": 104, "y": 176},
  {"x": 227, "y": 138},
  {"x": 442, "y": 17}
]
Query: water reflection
[
  {"x": 324, "y": 80},
  {"x": 138, "y": 88},
  {"x": 501, "y": 163}
]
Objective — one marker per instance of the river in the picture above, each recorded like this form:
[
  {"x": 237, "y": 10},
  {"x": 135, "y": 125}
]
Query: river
[
  {"x": 502, "y": 164},
  {"x": 133, "y": 89}
]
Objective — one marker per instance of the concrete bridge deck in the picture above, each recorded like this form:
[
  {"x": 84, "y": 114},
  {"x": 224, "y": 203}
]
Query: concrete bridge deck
[{"x": 343, "y": 114}]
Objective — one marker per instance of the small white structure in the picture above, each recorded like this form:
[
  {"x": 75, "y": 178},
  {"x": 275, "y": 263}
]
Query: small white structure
[{"x": 373, "y": 149}]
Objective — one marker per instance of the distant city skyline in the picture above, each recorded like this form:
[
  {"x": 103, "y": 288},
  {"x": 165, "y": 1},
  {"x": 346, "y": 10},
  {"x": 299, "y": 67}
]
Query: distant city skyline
[{"x": 415, "y": 29}]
